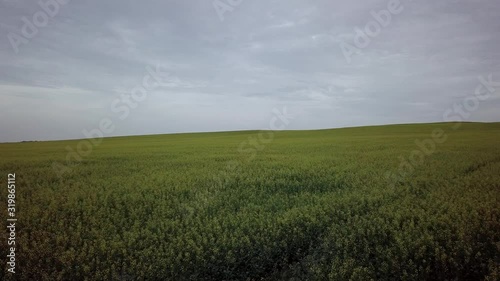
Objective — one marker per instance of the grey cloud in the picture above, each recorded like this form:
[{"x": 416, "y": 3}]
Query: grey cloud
[{"x": 231, "y": 74}]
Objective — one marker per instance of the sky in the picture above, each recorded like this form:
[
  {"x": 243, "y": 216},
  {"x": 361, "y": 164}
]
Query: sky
[{"x": 225, "y": 65}]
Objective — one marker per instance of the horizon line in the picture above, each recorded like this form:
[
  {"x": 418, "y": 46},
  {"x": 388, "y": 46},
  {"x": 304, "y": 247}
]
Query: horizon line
[{"x": 251, "y": 130}]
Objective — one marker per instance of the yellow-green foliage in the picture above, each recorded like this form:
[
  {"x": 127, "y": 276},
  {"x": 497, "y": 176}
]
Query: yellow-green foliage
[{"x": 311, "y": 205}]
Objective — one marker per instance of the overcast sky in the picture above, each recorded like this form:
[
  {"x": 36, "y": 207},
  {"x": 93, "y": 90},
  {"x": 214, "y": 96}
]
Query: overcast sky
[{"x": 231, "y": 63}]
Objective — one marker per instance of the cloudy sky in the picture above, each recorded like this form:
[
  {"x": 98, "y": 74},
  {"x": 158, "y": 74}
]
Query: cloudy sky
[{"x": 230, "y": 63}]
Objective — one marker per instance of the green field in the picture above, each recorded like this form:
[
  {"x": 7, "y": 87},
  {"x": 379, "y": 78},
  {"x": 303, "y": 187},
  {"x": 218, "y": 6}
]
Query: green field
[{"x": 303, "y": 205}]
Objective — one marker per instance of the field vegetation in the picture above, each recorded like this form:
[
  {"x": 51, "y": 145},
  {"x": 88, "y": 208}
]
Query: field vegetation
[{"x": 311, "y": 205}]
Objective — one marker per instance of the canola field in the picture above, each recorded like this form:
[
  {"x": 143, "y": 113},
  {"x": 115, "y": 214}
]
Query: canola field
[{"x": 400, "y": 202}]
